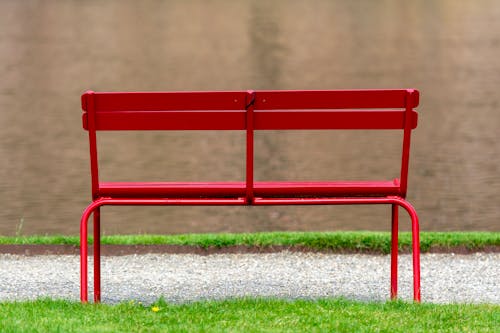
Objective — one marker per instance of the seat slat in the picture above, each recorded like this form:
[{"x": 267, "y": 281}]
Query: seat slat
[
  {"x": 326, "y": 188},
  {"x": 237, "y": 189}
]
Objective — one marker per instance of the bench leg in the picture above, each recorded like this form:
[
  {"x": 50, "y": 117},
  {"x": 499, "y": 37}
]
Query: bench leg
[
  {"x": 394, "y": 252},
  {"x": 415, "y": 242},
  {"x": 416, "y": 255},
  {"x": 83, "y": 257},
  {"x": 97, "y": 255},
  {"x": 93, "y": 208}
]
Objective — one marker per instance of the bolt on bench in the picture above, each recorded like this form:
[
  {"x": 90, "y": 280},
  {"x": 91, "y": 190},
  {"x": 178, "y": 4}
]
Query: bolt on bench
[{"x": 250, "y": 111}]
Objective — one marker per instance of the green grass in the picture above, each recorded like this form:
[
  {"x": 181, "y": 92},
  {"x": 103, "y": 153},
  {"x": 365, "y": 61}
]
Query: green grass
[
  {"x": 248, "y": 315},
  {"x": 334, "y": 241}
]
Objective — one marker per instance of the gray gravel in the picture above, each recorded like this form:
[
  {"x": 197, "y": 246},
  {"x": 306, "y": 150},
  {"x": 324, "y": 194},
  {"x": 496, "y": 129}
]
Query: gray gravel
[{"x": 446, "y": 278}]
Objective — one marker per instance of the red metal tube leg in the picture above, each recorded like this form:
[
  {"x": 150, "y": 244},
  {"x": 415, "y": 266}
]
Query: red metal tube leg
[
  {"x": 416, "y": 257},
  {"x": 83, "y": 258},
  {"x": 394, "y": 252},
  {"x": 97, "y": 255},
  {"x": 84, "y": 249},
  {"x": 415, "y": 248}
]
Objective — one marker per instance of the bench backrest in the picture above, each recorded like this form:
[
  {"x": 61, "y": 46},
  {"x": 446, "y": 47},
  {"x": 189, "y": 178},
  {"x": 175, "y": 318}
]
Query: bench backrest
[
  {"x": 358, "y": 109},
  {"x": 249, "y": 111}
]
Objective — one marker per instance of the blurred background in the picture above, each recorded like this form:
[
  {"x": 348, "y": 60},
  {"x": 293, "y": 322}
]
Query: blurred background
[{"x": 52, "y": 51}]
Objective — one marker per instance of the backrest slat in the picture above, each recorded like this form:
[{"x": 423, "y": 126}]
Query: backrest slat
[
  {"x": 332, "y": 119},
  {"x": 167, "y": 101},
  {"x": 333, "y": 99},
  {"x": 170, "y": 120}
]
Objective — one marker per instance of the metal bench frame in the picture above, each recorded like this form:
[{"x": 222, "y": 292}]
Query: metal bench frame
[{"x": 250, "y": 111}]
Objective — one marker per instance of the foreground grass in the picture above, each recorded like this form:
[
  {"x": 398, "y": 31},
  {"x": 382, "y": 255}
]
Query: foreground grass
[
  {"x": 334, "y": 241},
  {"x": 248, "y": 315}
]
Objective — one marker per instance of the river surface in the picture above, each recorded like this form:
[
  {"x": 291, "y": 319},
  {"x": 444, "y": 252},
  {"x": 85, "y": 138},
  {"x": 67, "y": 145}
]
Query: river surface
[{"x": 52, "y": 51}]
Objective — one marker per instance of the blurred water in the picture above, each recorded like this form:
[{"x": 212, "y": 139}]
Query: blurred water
[{"x": 51, "y": 51}]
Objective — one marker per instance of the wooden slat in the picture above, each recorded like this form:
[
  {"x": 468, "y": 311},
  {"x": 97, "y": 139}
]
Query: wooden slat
[
  {"x": 235, "y": 100},
  {"x": 326, "y": 188},
  {"x": 334, "y": 99},
  {"x": 170, "y": 120},
  {"x": 264, "y": 120},
  {"x": 172, "y": 189},
  {"x": 164, "y": 101},
  {"x": 236, "y": 189},
  {"x": 331, "y": 119}
]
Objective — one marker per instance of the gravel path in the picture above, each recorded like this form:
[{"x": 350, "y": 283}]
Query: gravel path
[{"x": 446, "y": 278}]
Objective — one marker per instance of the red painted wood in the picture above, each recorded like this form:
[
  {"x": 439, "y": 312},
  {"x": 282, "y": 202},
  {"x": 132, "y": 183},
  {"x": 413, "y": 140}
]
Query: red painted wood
[
  {"x": 332, "y": 99},
  {"x": 173, "y": 189},
  {"x": 170, "y": 120},
  {"x": 167, "y": 101},
  {"x": 263, "y": 120},
  {"x": 326, "y": 188},
  {"x": 332, "y": 119},
  {"x": 237, "y": 189}
]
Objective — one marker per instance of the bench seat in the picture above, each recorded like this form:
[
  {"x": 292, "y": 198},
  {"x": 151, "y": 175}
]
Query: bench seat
[{"x": 238, "y": 189}]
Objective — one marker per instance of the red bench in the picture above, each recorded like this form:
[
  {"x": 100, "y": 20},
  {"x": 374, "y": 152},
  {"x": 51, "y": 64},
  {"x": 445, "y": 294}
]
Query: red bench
[{"x": 250, "y": 111}]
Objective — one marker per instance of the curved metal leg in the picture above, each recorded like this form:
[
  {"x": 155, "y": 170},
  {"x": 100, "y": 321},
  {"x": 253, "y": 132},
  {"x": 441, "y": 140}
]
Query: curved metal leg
[
  {"x": 83, "y": 256},
  {"x": 415, "y": 239},
  {"x": 97, "y": 255},
  {"x": 394, "y": 252},
  {"x": 416, "y": 257},
  {"x": 84, "y": 248}
]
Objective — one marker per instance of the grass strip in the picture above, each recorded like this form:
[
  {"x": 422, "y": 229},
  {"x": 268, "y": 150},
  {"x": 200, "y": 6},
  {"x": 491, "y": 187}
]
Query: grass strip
[
  {"x": 357, "y": 241},
  {"x": 248, "y": 315}
]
